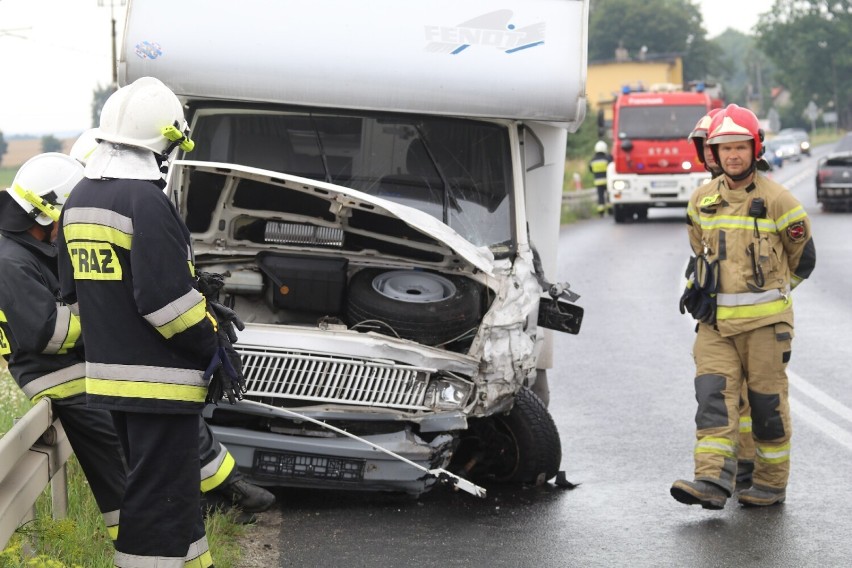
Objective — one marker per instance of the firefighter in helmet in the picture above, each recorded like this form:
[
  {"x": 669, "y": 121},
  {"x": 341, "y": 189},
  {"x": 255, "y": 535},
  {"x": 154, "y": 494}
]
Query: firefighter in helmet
[
  {"x": 745, "y": 449},
  {"x": 222, "y": 484},
  {"x": 598, "y": 165},
  {"x": 156, "y": 348},
  {"x": 39, "y": 335},
  {"x": 752, "y": 246}
]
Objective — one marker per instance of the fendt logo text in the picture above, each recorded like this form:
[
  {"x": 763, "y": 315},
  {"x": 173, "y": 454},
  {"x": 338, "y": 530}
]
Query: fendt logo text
[{"x": 493, "y": 30}]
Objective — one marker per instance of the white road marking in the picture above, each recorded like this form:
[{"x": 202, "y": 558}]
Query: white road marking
[
  {"x": 813, "y": 418},
  {"x": 819, "y": 396},
  {"x": 816, "y": 418}
]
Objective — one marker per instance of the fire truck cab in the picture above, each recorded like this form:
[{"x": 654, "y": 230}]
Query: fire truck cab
[{"x": 654, "y": 165}]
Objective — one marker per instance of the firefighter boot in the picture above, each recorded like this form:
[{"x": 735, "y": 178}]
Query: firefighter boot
[
  {"x": 248, "y": 497},
  {"x": 761, "y": 496},
  {"x": 704, "y": 493}
]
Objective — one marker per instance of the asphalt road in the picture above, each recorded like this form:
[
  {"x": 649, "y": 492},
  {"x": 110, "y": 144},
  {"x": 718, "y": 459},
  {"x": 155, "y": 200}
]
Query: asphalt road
[{"x": 622, "y": 398}]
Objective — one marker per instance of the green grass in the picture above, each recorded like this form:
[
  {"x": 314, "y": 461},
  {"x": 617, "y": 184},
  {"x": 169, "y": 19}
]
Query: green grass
[
  {"x": 6, "y": 176},
  {"x": 80, "y": 540}
]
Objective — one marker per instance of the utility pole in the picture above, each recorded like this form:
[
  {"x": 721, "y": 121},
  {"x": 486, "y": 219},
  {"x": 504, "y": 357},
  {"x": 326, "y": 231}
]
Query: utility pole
[{"x": 112, "y": 4}]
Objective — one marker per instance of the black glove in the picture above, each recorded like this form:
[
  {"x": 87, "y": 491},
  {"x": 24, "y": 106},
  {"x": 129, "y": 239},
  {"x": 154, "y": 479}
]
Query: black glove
[
  {"x": 225, "y": 375},
  {"x": 699, "y": 297},
  {"x": 225, "y": 369},
  {"x": 228, "y": 320},
  {"x": 209, "y": 284}
]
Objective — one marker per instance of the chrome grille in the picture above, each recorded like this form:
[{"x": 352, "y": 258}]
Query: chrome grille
[{"x": 324, "y": 378}]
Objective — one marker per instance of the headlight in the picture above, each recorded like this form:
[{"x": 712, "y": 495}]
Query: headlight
[
  {"x": 620, "y": 185},
  {"x": 686, "y": 165},
  {"x": 446, "y": 394},
  {"x": 805, "y": 145}
]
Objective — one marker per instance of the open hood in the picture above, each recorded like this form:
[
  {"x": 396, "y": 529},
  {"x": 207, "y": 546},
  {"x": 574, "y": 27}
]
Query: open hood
[{"x": 217, "y": 199}]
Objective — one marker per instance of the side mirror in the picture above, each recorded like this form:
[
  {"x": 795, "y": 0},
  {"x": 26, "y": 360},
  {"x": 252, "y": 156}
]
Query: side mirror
[{"x": 601, "y": 123}]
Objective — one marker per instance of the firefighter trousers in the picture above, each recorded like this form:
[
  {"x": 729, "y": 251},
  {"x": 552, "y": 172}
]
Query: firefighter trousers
[
  {"x": 92, "y": 437},
  {"x": 161, "y": 522},
  {"x": 218, "y": 468},
  {"x": 759, "y": 359}
]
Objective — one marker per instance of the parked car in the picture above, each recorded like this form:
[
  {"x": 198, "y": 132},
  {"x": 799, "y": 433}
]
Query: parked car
[
  {"x": 834, "y": 181},
  {"x": 801, "y": 136}
]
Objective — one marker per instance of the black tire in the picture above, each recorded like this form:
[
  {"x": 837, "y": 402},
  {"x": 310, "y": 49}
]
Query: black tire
[
  {"x": 430, "y": 322},
  {"x": 541, "y": 387},
  {"x": 520, "y": 447},
  {"x": 619, "y": 213}
]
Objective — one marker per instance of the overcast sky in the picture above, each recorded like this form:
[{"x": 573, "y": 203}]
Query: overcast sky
[{"x": 54, "y": 53}]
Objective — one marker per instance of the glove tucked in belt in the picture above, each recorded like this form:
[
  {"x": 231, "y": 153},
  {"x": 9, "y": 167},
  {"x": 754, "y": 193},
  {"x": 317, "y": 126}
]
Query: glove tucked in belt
[{"x": 699, "y": 297}]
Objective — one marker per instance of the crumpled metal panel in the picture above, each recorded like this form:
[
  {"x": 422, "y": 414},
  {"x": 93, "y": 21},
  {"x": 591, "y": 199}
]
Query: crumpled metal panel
[{"x": 507, "y": 350}]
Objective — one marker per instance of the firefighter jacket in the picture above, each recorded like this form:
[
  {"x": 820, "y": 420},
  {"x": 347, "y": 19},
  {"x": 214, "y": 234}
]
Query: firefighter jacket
[
  {"x": 761, "y": 237},
  {"x": 39, "y": 335},
  {"x": 125, "y": 258},
  {"x": 597, "y": 165}
]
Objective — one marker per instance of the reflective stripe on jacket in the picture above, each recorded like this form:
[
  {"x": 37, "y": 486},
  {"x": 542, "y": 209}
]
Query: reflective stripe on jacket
[
  {"x": 597, "y": 165},
  {"x": 761, "y": 258},
  {"x": 38, "y": 334},
  {"x": 125, "y": 257}
]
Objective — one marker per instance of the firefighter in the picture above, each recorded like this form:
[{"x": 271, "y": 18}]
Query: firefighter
[
  {"x": 221, "y": 482},
  {"x": 698, "y": 137},
  {"x": 40, "y": 336},
  {"x": 745, "y": 448},
  {"x": 154, "y": 346},
  {"x": 598, "y": 165},
  {"x": 753, "y": 245}
]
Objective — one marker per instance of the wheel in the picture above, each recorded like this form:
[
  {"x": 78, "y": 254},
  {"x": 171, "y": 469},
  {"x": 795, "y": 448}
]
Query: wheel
[
  {"x": 641, "y": 213},
  {"x": 421, "y": 306},
  {"x": 541, "y": 387},
  {"x": 522, "y": 446},
  {"x": 619, "y": 213}
]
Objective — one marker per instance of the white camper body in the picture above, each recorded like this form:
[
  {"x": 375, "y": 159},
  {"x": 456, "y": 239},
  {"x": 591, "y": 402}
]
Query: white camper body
[{"x": 422, "y": 144}]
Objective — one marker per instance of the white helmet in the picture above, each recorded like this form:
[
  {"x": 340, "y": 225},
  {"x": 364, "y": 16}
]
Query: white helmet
[
  {"x": 600, "y": 146},
  {"x": 145, "y": 114},
  {"x": 83, "y": 147},
  {"x": 43, "y": 183}
]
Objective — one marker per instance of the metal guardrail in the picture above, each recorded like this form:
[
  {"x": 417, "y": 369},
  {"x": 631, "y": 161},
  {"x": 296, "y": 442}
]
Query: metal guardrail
[
  {"x": 577, "y": 198},
  {"x": 32, "y": 456}
]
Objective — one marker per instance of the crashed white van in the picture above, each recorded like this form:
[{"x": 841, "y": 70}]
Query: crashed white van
[{"x": 380, "y": 185}]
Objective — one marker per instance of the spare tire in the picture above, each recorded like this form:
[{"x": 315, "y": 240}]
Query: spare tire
[{"x": 422, "y": 306}]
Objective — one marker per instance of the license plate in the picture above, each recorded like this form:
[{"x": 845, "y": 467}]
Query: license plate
[{"x": 664, "y": 184}]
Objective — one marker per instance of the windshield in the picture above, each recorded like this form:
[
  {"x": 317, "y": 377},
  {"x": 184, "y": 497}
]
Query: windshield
[
  {"x": 456, "y": 170},
  {"x": 658, "y": 122}
]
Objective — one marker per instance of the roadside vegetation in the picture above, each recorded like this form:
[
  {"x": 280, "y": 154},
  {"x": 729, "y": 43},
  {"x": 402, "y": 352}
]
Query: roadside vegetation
[{"x": 80, "y": 540}]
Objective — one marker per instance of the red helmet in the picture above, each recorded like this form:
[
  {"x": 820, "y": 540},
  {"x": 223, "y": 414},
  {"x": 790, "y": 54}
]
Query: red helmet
[
  {"x": 699, "y": 133},
  {"x": 735, "y": 124}
]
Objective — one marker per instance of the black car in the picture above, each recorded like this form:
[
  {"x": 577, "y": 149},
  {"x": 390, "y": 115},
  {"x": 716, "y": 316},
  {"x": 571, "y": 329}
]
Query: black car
[{"x": 834, "y": 178}]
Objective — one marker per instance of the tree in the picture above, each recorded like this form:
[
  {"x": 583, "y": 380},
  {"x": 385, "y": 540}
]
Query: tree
[
  {"x": 50, "y": 143},
  {"x": 810, "y": 43},
  {"x": 673, "y": 27},
  {"x": 99, "y": 97},
  {"x": 3, "y": 146}
]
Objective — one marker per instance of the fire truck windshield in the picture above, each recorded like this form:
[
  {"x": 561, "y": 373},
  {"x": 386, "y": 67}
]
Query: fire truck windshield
[{"x": 658, "y": 122}]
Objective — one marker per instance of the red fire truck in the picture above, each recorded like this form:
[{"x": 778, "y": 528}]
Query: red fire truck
[{"x": 654, "y": 165}]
